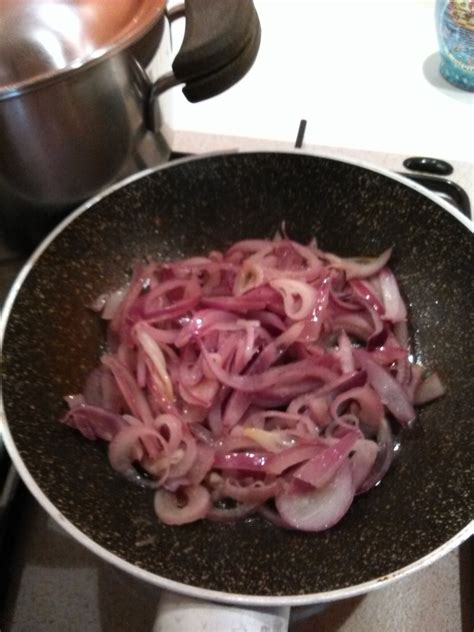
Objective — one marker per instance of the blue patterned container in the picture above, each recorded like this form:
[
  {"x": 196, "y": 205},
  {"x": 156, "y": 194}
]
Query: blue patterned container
[{"x": 455, "y": 26}]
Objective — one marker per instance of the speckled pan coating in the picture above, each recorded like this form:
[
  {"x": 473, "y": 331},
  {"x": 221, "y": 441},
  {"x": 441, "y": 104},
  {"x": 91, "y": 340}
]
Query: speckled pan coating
[{"x": 52, "y": 341}]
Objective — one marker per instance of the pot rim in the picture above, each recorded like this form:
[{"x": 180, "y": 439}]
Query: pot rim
[
  {"x": 149, "y": 577},
  {"x": 48, "y": 77}
]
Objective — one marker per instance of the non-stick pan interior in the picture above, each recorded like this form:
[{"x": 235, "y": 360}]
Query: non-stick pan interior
[{"x": 52, "y": 340}]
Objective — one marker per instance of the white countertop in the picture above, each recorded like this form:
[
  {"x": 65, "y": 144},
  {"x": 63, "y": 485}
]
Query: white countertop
[{"x": 363, "y": 73}]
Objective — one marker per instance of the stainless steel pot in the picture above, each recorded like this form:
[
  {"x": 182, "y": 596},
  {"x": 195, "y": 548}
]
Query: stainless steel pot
[{"x": 77, "y": 109}]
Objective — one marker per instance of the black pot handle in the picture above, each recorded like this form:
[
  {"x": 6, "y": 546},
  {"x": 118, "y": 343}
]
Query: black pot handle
[{"x": 220, "y": 44}]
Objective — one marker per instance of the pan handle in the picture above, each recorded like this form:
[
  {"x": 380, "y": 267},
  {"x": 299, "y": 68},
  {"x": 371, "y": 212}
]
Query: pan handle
[
  {"x": 177, "y": 613},
  {"x": 220, "y": 44}
]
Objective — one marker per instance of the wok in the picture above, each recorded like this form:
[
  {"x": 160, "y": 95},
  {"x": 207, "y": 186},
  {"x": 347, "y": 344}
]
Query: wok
[{"x": 51, "y": 340}]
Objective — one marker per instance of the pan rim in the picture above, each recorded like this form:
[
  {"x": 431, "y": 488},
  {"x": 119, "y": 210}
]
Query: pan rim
[{"x": 157, "y": 580}]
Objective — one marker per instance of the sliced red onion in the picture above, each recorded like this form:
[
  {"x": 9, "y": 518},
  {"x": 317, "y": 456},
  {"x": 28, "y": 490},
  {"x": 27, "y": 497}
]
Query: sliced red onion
[
  {"x": 75, "y": 400},
  {"x": 155, "y": 312},
  {"x": 344, "y": 424},
  {"x": 129, "y": 388},
  {"x": 155, "y": 360},
  {"x": 310, "y": 255},
  {"x": 259, "y": 298},
  {"x": 141, "y": 370},
  {"x": 138, "y": 282},
  {"x": 249, "y": 246},
  {"x": 299, "y": 299},
  {"x": 112, "y": 303},
  {"x": 214, "y": 418},
  {"x": 242, "y": 461},
  {"x": 345, "y": 353},
  {"x": 282, "y": 394},
  {"x": 395, "y": 309},
  {"x": 98, "y": 303},
  {"x": 383, "y": 460},
  {"x": 239, "y": 402},
  {"x": 343, "y": 300},
  {"x": 367, "y": 295},
  {"x": 288, "y": 374},
  {"x": 203, "y": 435},
  {"x": 359, "y": 267},
  {"x": 202, "y": 322},
  {"x": 354, "y": 324},
  {"x": 390, "y": 391},
  {"x": 133, "y": 444},
  {"x": 269, "y": 419},
  {"x": 187, "y": 456},
  {"x": 109, "y": 304},
  {"x": 387, "y": 355},
  {"x": 314, "y": 406},
  {"x": 316, "y": 318},
  {"x": 254, "y": 374},
  {"x": 331, "y": 388},
  {"x": 249, "y": 277},
  {"x": 93, "y": 422},
  {"x": 362, "y": 461},
  {"x": 201, "y": 394},
  {"x": 101, "y": 390},
  {"x": 164, "y": 336},
  {"x": 236, "y": 443},
  {"x": 257, "y": 491},
  {"x": 173, "y": 510},
  {"x": 379, "y": 332},
  {"x": 273, "y": 441},
  {"x": 170, "y": 429},
  {"x": 400, "y": 331},
  {"x": 202, "y": 464},
  {"x": 370, "y": 408},
  {"x": 127, "y": 356},
  {"x": 319, "y": 470},
  {"x": 429, "y": 389},
  {"x": 279, "y": 463},
  {"x": 157, "y": 402},
  {"x": 319, "y": 509},
  {"x": 416, "y": 373},
  {"x": 269, "y": 320}
]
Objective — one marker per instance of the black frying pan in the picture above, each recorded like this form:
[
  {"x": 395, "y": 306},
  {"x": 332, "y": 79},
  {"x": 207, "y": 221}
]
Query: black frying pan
[{"x": 51, "y": 340}]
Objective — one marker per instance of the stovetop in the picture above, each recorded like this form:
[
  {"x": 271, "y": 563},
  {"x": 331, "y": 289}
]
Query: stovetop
[
  {"x": 51, "y": 583},
  {"x": 55, "y": 584}
]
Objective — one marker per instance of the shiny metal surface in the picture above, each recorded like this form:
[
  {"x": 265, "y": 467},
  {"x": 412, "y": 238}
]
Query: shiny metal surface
[
  {"x": 62, "y": 144},
  {"x": 68, "y": 138},
  {"x": 40, "y": 39},
  {"x": 77, "y": 109}
]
